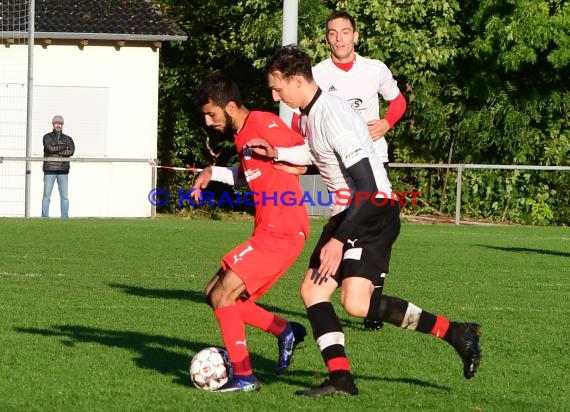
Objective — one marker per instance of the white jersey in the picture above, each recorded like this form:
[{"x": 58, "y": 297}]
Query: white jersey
[
  {"x": 360, "y": 86},
  {"x": 338, "y": 138}
]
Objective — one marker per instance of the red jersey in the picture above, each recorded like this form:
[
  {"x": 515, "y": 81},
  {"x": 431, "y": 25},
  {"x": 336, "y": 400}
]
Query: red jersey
[{"x": 277, "y": 194}]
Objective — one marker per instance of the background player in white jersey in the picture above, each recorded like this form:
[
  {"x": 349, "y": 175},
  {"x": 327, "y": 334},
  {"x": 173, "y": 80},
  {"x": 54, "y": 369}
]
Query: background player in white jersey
[
  {"x": 359, "y": 80},
  {"x": 353, "y": 252}
]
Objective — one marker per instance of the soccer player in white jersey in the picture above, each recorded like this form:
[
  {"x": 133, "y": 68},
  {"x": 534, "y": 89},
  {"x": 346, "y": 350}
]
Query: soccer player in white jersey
[
  {"x": 359, "y": 80},
  {"x": 353, "y": 252}
]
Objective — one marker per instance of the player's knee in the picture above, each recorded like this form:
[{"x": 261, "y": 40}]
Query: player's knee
[
  {"x": 355, "y": 307},
  {"x": 356, "y": 300},
  {"x": 219, "y": 297},
  {"x": 313, "y": 293},
  {"x": 208, "y": 292},
  {"x": 306, "y": 292},
  {"x": 214, "y": 298}
]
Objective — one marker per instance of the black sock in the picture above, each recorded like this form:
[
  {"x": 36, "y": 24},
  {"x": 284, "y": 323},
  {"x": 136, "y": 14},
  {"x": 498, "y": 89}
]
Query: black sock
[{"x": 324, "y": 321}]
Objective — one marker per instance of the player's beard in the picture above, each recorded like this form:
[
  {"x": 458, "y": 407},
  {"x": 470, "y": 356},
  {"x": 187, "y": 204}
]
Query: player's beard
[
  {"x": 229, "y": 130},
  {"x": 226, "y": 133}
]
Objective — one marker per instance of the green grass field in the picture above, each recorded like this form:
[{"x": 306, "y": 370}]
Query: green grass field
[{"x": 104, "y": 315}]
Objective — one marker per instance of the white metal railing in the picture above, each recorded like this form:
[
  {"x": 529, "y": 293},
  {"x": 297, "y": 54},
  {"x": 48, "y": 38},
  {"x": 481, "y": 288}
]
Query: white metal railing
[
  {"x": 73, "y": 159},
  {"x": 28, "y": 159},
  {"x": 460, "y": 167},
  {"x": 314, "y": 184}
]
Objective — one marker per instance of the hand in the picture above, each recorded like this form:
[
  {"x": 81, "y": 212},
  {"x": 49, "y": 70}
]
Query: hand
[
  {"x": 201, "y": 182},
  {"x": 262, "y": 147},
  {"x": 291, "y": 169},
  {"x": 331, "y": 257},
  {"x": 378, "y": 128}
]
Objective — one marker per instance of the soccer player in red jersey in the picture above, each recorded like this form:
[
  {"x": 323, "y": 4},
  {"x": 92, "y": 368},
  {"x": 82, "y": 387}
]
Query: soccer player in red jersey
[{"x": 279, "y": 234}]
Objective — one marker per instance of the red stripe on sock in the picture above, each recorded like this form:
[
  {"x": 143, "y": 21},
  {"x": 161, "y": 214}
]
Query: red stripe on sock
[
  {"x": 338, "y": 364},
  {"x": 441, "y": 326}
]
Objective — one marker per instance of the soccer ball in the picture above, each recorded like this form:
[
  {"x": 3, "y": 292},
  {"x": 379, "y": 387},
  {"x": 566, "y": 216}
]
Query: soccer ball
[{"x": 210, "y": 368}]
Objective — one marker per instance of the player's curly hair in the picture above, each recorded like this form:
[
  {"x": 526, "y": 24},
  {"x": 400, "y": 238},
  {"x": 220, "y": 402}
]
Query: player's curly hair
[{"x": 290, "y": 61}]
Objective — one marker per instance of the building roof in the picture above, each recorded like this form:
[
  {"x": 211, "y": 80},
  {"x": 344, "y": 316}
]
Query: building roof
[{"x": 137, "y": 20}]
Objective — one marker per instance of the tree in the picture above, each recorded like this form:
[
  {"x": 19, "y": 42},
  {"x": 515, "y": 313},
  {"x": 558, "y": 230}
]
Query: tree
[
  {"x": 486, "y": 82},
  {"x": 235, "y": 37}
]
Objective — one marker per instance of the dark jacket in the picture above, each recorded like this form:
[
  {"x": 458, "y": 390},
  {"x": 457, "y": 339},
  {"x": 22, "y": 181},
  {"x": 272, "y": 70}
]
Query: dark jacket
[{"x": 57, "y": 145}]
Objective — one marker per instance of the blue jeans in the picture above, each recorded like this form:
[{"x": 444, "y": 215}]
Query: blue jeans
[{"x": 49, "y": 181}]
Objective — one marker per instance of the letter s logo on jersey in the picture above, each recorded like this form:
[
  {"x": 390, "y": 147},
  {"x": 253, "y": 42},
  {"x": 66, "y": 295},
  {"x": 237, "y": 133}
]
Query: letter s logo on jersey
[{"x": 355, "y": 103}]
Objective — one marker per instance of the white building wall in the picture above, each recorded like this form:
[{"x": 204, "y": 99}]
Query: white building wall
[
  {"x": 13, "y": 91},
  {"x": 109, "y": 100}
]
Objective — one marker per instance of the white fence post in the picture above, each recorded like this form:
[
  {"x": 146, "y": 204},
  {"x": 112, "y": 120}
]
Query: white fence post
[
  {"x": 458, "y": 195},
  {"x": 152, "y": 186}
]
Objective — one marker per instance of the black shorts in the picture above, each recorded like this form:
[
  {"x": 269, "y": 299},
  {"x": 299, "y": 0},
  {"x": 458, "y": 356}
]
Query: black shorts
[{"x": 367, "y": 250}]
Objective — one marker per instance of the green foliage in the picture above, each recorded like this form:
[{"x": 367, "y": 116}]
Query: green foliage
[
  {"x": 234, "y": 37},
  {"x": 261, "y": 29},
  {"x": 486, "y": 82},
  {"x": 493, "y": 195},
  {"x": 419, "y": 35},
  {"x": 465, "y": 105},
  {"x": 518, "y": 196},
  {"x": 517, "y": 32}
]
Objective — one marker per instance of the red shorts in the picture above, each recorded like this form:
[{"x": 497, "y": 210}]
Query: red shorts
[{"x": 263, "y": 259}]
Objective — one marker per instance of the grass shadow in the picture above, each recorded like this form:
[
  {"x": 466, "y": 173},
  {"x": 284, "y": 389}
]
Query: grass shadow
[
  {"x": 417, "y": 382},
  {"x": 198, "y": 297},
  {"x": 158, "y": 353},
  {"x": 163, "y": 355},
  {"x": 527, "y": 250},
  {"x": 154, "y": 352},
  {"x": 178, "y": 294},
  {"x": 319, "y": 377}
]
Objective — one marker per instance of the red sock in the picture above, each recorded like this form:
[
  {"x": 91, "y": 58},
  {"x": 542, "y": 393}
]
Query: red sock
[
  {"x": 441, "y": 326},
  {"x": 233, "y": 335},
  {"x": 338, "y": 364},
  {"x": 258, "y": 317}
]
